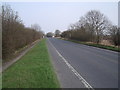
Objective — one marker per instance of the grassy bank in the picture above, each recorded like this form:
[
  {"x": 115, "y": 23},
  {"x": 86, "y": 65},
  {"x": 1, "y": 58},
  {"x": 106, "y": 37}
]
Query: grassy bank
[
  {"x": 18, "y": 52},
  {"x": 33, "y": 70},
  {"x": 96, "y": 45}
]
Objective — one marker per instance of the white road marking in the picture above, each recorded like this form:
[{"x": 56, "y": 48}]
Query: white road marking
[{"x": 86, "y": 84}]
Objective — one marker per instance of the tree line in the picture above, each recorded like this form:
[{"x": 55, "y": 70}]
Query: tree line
[
  {"x": 14, "y": 33},
  {"x": 93, "y": 27},
  {"x": 57, "y": 33}
]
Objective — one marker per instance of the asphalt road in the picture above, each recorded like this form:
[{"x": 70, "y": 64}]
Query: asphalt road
[{"x": 97, "y": 67}]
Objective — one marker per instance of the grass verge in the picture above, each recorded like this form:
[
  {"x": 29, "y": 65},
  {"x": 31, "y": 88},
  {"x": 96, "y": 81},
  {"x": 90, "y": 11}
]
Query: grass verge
[
  {"x": 33, "y": 70},
  {"x": 18, "y": 52},
  {"x": 96, "y": 45}
]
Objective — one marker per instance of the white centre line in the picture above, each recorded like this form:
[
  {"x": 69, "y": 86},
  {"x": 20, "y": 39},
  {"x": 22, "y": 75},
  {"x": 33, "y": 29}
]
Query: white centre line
[{"x": 86, "y": 84}]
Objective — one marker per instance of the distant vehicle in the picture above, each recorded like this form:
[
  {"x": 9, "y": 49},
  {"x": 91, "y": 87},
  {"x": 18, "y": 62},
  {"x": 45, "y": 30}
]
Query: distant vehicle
[{"x": 50, "y": 34}]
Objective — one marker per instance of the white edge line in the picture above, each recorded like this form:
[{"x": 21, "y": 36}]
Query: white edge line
[{"x": 86, "y": 84}]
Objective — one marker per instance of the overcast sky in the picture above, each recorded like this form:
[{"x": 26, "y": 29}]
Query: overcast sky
[{"x": 59, "y": 15}]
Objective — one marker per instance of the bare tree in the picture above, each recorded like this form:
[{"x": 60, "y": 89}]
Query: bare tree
[
  {"x": 92, "y": 27},
  {"x": 114, "y": 32},
  {"x": 15, "y": 35},
  {"x": 38, "y": 29},
  {"x": 98, "y": 23}
]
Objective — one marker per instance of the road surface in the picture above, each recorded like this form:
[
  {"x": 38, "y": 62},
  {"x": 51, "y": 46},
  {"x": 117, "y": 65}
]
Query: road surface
[{"x": 81, "y": 66}]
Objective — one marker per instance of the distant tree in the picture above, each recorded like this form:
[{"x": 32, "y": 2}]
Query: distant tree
[
  {"x": 57, "y": 33},
  {"x": 64, "y": 34},
  {"x": 115, "y": 35},
  {"x": 37, "y": 28}
]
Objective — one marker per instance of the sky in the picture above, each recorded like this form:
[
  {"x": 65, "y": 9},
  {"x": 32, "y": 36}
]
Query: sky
[{"x": 59, "y": 15}]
